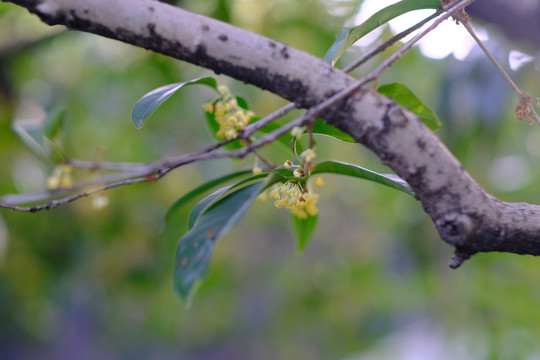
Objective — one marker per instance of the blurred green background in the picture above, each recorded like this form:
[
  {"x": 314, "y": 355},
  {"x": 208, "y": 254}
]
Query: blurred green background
[{"x": 76, "y": 282}]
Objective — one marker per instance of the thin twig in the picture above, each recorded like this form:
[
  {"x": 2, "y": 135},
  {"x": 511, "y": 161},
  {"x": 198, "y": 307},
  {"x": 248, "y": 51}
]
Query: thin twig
[
  {"x": 154, "y": 171},
  {"x": 381, "y": 47},
  {"x": 449, "y": 10},
  {"x": 267, "y": 162},
  {"x": 505, "y": 75},
  {"x": 250, "y": 129}
]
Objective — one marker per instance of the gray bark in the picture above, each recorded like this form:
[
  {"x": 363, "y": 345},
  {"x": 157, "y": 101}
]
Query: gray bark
[{"x": 464, "y": 214}]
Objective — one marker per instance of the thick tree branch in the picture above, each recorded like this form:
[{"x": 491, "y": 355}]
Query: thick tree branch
[{"x": 465, "y": 216}]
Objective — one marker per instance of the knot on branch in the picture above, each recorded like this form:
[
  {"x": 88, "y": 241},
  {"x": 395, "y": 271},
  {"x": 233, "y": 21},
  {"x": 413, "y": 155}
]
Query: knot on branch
[
  {"x": 454, "y": 228},
  {"x": 458, "y": 259}
]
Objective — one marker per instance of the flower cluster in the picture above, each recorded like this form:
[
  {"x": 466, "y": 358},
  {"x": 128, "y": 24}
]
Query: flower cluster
[
  {"x": 293, "y": 196},
  {"x": 302, "y": 170},
  {"x": 228, "y": 114},
  {"x": 61, "y": 177}
]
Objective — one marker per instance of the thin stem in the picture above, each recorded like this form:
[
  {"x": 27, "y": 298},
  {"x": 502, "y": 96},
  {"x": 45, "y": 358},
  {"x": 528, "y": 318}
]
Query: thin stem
[
  {"x": 523, "y": 96},
  {"x": 381, "y": 47},
  {"x": 449, "y": 10},
  {"x": 154, "y": 171},
  {"x": 250, "y": 129},
  {"x": 264, "y": 160},
  {"x": 491, "y": 58}
]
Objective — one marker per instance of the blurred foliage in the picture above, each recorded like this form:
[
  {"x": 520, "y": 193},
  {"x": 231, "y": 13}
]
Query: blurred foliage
[{"x": 373, "y": 283}]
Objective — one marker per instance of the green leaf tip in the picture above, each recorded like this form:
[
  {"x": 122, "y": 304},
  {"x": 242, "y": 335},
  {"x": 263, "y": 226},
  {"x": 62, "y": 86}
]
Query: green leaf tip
[
  {"x": 322, "y": 128},
  {"x": 40, "y": 136},
  {"x": 304, "y": 228},
  {"x": 342, "y": 168},
  {"x": 349, "y": 36},
  {"x": 406, "y": 98},
  {"x": 147, "y": 104},
  {"x": 195, "y": 248}
]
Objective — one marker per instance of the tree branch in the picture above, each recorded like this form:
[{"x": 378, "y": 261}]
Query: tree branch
[
  {"x": 518, "y": 19},
  {"x": 463, "y": 213}
]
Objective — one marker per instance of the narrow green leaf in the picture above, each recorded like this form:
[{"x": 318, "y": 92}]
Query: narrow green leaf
[
  {"x": 211, "y": 199},
  {"x": 146, "y": 105},
  {"x": 304, "y": 230},
  {"x": 405, "y": 97},
  {"x": 338, "y": 167},
  {"x": 38, "y": 135},
  {"x": 199, "y": 190},
  {"x": 53, "y": 123},
  {"x": 349, "y": 36},
  {"x": 195, "y": 248},
  {"x": 320, "y": 127},
  {"x": 204, "y": 204}
]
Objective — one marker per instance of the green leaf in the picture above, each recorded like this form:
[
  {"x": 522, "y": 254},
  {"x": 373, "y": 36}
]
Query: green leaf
[
  {"x": 320, "y": 127},
  {"x": 351, "y": 35},
  {"x": 199, "y": 190},
  {"x": 38, "y": 135},
  {"x": 338, "y": 167},
  {"x": 195, "y": 248},
  {"x": 304, "y": 230},
  {"x": 405, "y": 97},
  {"x": 208, "y": 201},
  {"x": 146, "y": 105}
]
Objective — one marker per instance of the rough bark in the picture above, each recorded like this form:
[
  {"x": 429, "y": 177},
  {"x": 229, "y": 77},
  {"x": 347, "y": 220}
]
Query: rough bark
[{"x": 464, "y": 214}]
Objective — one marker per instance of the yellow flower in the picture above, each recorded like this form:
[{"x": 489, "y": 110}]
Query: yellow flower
[
  {"x": 257, "y": 170},
  {"x": 230, "y": 134},
  {"x": 223, "y": 90},
  {"x": 209, "y": 107},
  {"x": 297, "y": 131},
  {"x": 100, "y": 201},
  {"x": 230, "y": 117},
  {"x": 53, "y": 182},
  {"x": 61, "y": 177},
  {"x": 293, "y": 196},
  {"x": 308, "y": 155}
]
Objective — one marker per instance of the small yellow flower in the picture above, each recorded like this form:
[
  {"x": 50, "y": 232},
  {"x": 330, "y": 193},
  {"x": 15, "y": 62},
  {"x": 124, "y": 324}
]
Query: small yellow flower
[
  {"x": 66, "y": 181},
  {"x": 232, "y": 103},
  {"x": 297, "y": 131},
  {"x": 257, "y": 170},
  {"x": 319, "y": 181},
  {"x": 293, "y": 196},
  {"x": 223, "y": 90},
  {"x": 61, "y": 177},
  {"x": 275, "y": 194},
  {"x": 100, "y": 201},
  {"x": 308, "y": 155},
  {"x": 208, "y": 107},
  {"x": 230, "y": 117},
  {"x": 53, "y": 182},
  {"x": 262, "y": 196},
  {"x": 230, "y": 134}
]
